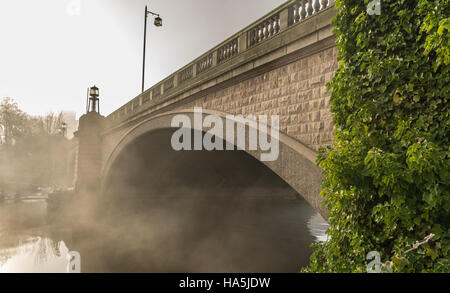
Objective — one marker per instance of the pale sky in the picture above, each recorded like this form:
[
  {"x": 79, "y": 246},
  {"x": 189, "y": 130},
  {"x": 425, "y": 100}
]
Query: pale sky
[{"x": 51, "y": 51}]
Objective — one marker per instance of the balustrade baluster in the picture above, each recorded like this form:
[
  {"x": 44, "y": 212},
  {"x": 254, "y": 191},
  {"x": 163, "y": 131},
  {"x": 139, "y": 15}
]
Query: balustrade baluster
[
  {"x": 277, "y": 24},
  {"x": 266, "y": 30},
  {"x": 291, "y": 15},
  {"x": 260, "y": 33},
  {"x": 303, "y": 12},
  {"x": 272, "y": 26},
  {"x": 297, "y": 6},
  {"x": 324, "y": 3},
  {"x": 316, "y": 6},
  {"x": 310, "y": 8}
]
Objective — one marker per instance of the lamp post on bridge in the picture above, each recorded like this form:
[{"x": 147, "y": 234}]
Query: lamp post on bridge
[
  {"x": 89, "y": 140},
  {"x": 93, "y": 104},
  {"x": 157, "y": 23}
]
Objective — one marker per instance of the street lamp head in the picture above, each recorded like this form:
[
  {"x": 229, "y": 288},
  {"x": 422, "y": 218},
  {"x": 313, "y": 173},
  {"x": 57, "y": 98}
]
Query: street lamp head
[
  {"x": 62, "y": 130},
  {"x": 158, "y": 21},
  {"x": 94, "y": 92}
]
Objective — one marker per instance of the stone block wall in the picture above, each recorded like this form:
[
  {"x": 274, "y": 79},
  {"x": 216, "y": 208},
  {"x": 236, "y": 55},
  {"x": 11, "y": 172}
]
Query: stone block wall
[{"x": 296, "y": 92}]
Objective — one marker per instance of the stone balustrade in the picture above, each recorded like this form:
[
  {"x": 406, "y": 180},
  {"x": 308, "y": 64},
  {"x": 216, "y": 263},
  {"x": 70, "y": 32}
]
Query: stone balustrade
[
  {"x": 227, "y": 51},
  {"x": 302, "y": 9},
  {"x": 285, "y": 17},
  {"x": 205, "y": 63},
  {"x": 264, "y": 30},
  {"x": 156, "y": 91},
  {"x": 186, "y": 74},
  {"x": 169, "y": 83}
]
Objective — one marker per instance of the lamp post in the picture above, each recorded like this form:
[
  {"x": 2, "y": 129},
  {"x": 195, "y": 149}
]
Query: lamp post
[
  {"x": 88, "y": 165},
  {"x": 157, "y": 23},
  {"x": 93, "y": 103},
  {"x": 63, "y": 129}
]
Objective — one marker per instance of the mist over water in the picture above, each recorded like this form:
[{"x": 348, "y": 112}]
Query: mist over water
[
  {"x": 167, "y": 211},
  {"x": 203, "y": 235},
  {"x": 165, "y": 243},
  {"x": 25, "y": 243}
]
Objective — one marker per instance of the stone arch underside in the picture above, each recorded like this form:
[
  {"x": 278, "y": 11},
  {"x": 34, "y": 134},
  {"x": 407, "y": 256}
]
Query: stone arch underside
[{"x": 295, "y": 164}]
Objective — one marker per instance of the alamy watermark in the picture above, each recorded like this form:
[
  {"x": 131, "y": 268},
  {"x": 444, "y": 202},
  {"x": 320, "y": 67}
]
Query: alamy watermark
[
  {"x": 74, "y": 262},
  {"x": 375, "y": 265},
  {"x": 374, "y": 7},
  {"x": 233, "y": 132}
]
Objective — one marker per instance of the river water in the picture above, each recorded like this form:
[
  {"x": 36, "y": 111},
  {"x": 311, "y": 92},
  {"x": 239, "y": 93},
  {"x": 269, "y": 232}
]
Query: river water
[{"x": 30, "y": 243}]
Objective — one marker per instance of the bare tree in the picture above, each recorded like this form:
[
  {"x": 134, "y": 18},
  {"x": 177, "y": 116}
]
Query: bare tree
[
  {"x": 13, "y": 121},
  {"x": 52, "y": 123}
]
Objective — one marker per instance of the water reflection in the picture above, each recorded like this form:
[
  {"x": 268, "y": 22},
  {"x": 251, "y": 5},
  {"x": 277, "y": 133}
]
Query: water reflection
[
  {"x": 29, "y": 243},
  {"x": 24, "y": 242},
  {"x": 34, "y": 255},
  {"x": 317, "y": 226}
]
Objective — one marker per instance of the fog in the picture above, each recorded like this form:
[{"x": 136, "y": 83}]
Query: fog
[
  {"x": 200, "y": 211},
  {"x": 168, "y": 211}
]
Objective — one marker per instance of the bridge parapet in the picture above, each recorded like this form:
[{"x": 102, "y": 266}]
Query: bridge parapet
[{"x": 291, "y": 26}]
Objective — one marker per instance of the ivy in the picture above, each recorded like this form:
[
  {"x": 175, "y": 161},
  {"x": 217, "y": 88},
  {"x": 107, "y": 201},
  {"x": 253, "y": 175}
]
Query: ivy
[{"x": 387, "y": 175}]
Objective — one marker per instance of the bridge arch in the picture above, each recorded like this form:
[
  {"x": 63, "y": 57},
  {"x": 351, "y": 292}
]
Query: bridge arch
[{"x": 295, "y": 164}]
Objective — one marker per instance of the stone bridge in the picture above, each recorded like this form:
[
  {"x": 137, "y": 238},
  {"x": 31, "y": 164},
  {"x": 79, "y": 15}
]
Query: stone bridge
[{"x": 278, "y": 65}]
